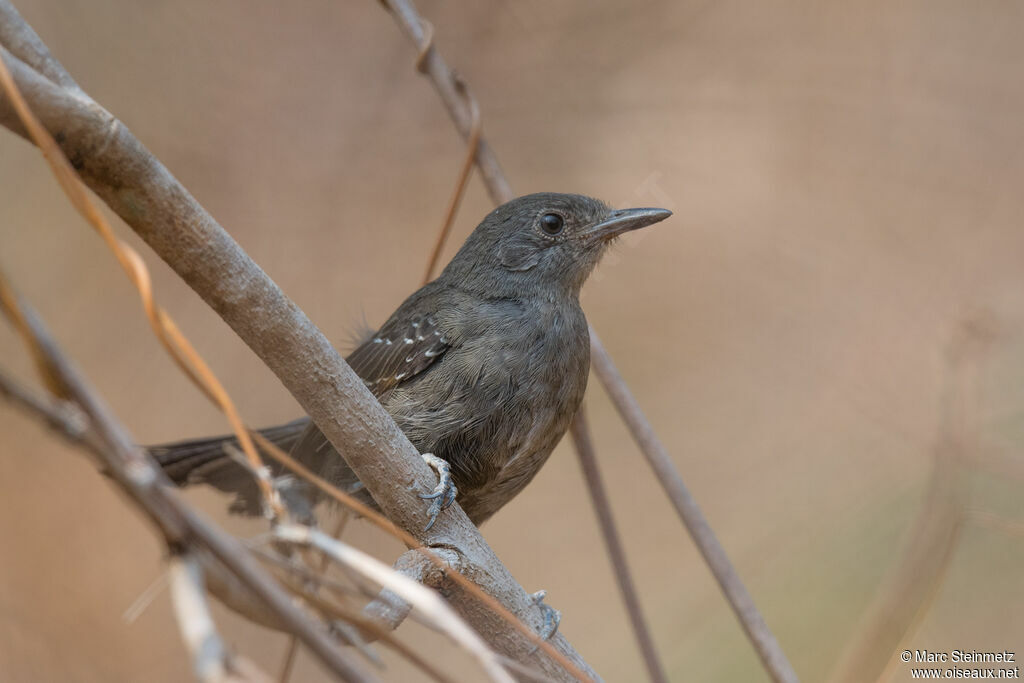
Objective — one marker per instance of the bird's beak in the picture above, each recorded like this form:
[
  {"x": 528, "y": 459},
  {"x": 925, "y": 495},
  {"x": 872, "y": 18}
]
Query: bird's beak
[{"x": 625, "y": 220}]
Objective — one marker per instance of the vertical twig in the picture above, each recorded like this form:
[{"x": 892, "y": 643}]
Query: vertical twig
[
  {"x": 616, "y": 552},
  {"x": 742, "y": 603}
]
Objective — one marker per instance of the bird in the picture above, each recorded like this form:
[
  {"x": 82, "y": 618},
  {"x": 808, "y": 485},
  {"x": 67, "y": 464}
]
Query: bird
[{"x": 482, "y": 368}]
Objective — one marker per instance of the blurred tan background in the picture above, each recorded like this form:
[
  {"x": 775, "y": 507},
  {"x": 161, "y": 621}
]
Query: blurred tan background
[{"x": 846, "y": 180}]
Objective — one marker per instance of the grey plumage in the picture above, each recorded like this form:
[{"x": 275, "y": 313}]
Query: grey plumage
[{"x": 483, "y": 367}]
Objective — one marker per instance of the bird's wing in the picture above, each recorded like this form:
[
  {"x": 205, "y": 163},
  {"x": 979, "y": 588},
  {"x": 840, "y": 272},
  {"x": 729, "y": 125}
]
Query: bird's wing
[{"x": 403, "y": 348}]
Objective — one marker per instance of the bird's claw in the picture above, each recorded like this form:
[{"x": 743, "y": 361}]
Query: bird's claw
[
  {"x": 444, "y": 493},
  {"x": 552, "y": 617}
]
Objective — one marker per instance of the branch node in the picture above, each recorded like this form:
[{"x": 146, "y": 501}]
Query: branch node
[{"x": 426, "y": 45}]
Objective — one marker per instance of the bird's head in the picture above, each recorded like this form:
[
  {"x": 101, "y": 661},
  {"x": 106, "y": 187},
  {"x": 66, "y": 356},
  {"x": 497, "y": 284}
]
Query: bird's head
[{"x": 543, "y": 243}]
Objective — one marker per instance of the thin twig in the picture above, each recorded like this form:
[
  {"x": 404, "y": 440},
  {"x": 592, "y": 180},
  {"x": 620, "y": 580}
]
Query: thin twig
[
  {"x": 289, "y": 660},
  {"x": 61, "y": 416},
  {"x": 145, "y": 599},
  {"x": 302, "y": 571},
  {"x": 616, "y": 552},
  {"x": 341, "y": 618},
  {"x": 369, "y": 627}
]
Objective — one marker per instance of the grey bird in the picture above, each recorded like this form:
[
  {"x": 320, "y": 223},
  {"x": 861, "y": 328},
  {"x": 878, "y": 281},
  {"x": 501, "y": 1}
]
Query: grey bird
[{"x": 483, "y": 368}]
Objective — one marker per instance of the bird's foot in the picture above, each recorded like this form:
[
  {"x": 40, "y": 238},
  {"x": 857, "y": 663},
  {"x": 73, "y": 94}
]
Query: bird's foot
[
  {"x": 444, "y": 493},
  {"x": 552, "y": 617}
]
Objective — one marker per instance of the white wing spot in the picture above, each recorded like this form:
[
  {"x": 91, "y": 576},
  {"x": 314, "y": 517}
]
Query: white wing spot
[
  {"x": 401, "y": 375},
  {"x": 378, "y": 340},
  {"x": 388, "y": 342},
  {"x": 408, "y": 341}
]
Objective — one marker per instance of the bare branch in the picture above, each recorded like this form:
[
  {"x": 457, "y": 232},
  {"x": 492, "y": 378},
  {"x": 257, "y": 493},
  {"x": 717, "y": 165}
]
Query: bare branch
[
  {"x": 18, "y": 37},
  {"x": 61, "y": 416},
  {"x": 388, "y": 608}
]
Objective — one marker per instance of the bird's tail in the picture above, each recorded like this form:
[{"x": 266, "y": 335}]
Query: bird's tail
[{"x": 209, "y": 460}]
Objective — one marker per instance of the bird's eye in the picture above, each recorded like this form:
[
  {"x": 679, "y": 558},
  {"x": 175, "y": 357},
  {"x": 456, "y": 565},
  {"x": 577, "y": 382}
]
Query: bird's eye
[{"x": 551, "y": 223}]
